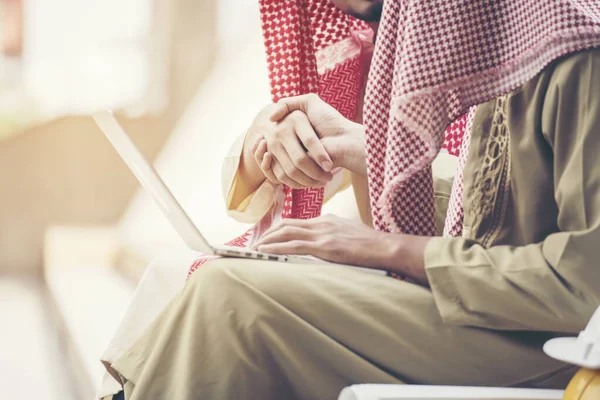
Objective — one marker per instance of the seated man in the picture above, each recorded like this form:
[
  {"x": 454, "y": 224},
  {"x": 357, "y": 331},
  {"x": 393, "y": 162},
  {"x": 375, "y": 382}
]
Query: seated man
[{"x": 516, "y": 266}]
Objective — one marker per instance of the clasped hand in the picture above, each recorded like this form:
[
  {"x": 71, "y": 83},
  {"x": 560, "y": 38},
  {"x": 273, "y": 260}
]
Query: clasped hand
[{"x": 300, "y": 140}]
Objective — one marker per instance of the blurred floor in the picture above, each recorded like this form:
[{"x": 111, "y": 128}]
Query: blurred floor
[{"x": 30, "y": 358}]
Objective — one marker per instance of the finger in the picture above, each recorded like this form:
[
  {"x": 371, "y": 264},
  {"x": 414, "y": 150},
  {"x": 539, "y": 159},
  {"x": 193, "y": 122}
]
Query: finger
[
  {"x": 299, "y": 123},
  {"x": 280, "y": 111},
  {"x": 301, "y": 161},
  {"x": 256, "y": 143},
  {"x": 286, "y": 234},
  {"x": 297, "y": 247},
  {"x": 259, "y": 152},
  {"x": 311, "y": 142},
  {"x": 298, "y": 223},
  {"x": 270, "y": 173},
  {"x": 291, "y": 172},
  {"x": 290, "y": 104},
  {"x": 267, "y": 160},
  {"x": 284, "y": 178},
  {"x": 259, "y": 156}
]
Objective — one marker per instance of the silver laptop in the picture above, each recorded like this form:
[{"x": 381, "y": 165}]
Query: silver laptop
[{"x": 167, "y": 203}]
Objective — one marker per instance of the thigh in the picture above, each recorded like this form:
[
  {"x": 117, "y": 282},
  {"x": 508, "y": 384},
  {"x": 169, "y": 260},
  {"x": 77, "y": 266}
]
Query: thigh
[{"x": 350, "y": 326}]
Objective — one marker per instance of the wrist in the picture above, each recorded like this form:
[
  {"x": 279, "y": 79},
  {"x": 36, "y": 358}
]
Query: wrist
[
  {"x": 355, "y": 158},
  {"x": 393, "y": 252},
  {"x": 405, "y": 255}
]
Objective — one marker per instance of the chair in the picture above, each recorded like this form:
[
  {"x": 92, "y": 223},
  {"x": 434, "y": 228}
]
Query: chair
[{"x": 584, "y": 350}]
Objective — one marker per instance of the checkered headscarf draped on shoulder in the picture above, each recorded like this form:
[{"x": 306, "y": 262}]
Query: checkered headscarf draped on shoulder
[{"x": 433, "y": 60}]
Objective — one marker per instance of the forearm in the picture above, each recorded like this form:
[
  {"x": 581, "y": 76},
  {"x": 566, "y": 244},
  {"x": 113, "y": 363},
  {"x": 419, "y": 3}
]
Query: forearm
[
  {"x": 514, "y": 287},
  {"x": 502, "y": 287}
]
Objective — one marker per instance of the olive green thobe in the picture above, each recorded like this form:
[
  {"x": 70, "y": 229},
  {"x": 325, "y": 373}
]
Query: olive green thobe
[{"x": 525, "y": 271}]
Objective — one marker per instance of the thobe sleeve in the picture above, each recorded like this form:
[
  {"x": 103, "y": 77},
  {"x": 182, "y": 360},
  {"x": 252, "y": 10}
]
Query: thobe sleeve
[{"x": 553, "y": 285}]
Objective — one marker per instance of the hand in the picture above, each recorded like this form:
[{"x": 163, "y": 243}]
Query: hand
[
  {"x": 342, "y": 241},
  {"x": 301, "y": 159},
  {"x": 343, "y": 139}
]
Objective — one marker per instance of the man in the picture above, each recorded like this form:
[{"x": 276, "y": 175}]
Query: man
[{"x": 516, "y": 267}]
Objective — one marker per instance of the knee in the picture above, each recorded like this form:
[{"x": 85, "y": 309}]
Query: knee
[
  {"x": 212, "y": 278},
  {"x": 243, "y": 287},
  {"x": 221, "y": 283},
  {"x": 226, "y": 301},
  {"x": 231, "y": 276}
]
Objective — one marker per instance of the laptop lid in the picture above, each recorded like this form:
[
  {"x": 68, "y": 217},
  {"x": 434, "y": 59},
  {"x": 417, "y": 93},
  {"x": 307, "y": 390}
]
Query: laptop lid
[{"x": 151, "y": 182}]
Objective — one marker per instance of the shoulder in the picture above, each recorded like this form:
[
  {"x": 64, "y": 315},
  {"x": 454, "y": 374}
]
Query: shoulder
[
  {"x": 572, "y": 62},
  {"x": 571, "y": 69},
  {"x": 568, "y": 90}
]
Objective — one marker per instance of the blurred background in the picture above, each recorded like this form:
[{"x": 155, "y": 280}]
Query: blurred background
[{"x": 186, "y": 77}]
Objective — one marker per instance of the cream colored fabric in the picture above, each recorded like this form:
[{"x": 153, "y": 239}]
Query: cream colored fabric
[
  {"x": 162, "y": 280},
  {"x": 246, "y": 329}
]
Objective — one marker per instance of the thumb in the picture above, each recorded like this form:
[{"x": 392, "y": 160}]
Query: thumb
[
  {"x": 280, "y": 111},
  {"x": 290, "y": 104}
]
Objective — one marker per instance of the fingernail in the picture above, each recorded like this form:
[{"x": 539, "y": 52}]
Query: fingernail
[{"x": 327, "y": 166}]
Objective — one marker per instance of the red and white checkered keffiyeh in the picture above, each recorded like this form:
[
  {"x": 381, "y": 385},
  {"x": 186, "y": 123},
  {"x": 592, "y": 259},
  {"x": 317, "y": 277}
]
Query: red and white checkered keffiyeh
[
  {"x": 433, "y": 61},
  {"x": 312, "y": 47}
]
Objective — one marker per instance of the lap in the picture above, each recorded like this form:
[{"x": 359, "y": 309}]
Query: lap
[{"x": 369, "y": 326}]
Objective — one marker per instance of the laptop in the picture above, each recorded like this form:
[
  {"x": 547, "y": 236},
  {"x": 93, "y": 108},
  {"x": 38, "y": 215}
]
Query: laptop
[{"x": 170, "y": 207}]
